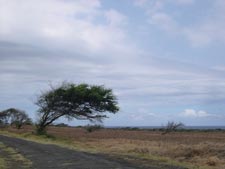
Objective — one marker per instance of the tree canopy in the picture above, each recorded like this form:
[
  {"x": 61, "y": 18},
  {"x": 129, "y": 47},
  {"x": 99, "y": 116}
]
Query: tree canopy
[
  {"x": 3, "y": 118},
  {"x": 82, "y": 102},
  {"x": 15, "y": 117}
]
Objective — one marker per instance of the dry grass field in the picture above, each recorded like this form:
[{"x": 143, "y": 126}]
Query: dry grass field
[{"x": 203, "y": 150}]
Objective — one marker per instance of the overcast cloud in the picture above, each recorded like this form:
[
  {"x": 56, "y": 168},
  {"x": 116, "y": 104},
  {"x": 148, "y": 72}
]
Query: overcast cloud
[{"x": 163, "y": 58}]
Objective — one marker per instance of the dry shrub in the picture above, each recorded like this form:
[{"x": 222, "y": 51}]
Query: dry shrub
[
  {"x": 212, "y": 161},
  {"x": 140, "y": 150},
  {"x": 192, "y": 152}
]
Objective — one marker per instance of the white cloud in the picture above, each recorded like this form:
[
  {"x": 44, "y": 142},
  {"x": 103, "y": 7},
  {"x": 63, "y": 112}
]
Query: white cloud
[
  {"x": 206, "y": 33},
  {"x": 219, "y": 68},
  {"x": 115, "y": 18},
  {"x": 164, "y": 21},
  {"x": 160, "y": 3},
  {"x": 66, "y": 25},
  {"x": 198, "y": 37},
  {"x": 210, "y": 29},
  {"x": 79, "y": 41},
  {"x": 196, "y": 114},
  {"x": 201, "y": 33},
  {"x": 142, "y": 114},
  {"x": 140, "y": 2},
  {"x": 184, "y": 2}
]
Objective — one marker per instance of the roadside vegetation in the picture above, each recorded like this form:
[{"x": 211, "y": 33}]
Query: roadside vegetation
[
  {"x": 12, "y": 159},
  {"x": 2, "y": 163}
]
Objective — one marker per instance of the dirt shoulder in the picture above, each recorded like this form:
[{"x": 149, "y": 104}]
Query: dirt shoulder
[{"x": 52, "y": 156}]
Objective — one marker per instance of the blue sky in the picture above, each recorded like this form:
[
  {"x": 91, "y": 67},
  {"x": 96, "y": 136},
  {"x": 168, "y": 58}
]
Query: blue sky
[{"x": 164, "y": 59}]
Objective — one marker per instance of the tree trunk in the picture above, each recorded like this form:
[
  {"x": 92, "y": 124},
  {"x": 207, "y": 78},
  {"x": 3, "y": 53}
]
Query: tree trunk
[{"x": 40, "y": 129}]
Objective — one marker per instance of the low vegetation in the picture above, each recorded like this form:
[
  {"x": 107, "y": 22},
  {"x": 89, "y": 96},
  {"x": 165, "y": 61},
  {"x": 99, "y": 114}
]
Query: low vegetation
[
  {"x": 12, "y": 158},
  {"x": 92, "y": 128},
  {"x": 172, "y": 126},
  {"x": 195, "y": 150},
  {"x": 2, "y": 163}
]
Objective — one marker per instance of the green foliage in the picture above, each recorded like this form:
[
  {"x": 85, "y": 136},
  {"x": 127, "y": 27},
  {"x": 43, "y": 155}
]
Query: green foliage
[
  {"x": 82, "y": 102},
  {"x": 40, "y": 130},
  {"x": 3, "y": 119}
]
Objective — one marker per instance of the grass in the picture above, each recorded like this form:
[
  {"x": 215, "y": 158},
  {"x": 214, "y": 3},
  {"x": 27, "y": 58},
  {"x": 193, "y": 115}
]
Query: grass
[
  {"x": 3, "y": 163},
  {"x": 13, "y": 158},
  {"x": 195, "y": 150}
]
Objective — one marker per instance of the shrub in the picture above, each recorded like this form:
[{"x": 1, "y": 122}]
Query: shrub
[{"x": 92, "y": 128}]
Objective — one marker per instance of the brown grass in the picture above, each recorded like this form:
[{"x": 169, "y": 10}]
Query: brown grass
[{"x": 200, "y": 149}]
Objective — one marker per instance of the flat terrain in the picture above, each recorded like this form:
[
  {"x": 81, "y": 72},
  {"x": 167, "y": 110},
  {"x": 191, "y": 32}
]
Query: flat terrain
[
  {"x": 190, "y": 149},
  {"x": 52, "y": 156}
]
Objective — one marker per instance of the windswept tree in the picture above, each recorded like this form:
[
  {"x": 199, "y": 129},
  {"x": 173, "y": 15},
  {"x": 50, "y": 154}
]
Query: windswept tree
[
  {"x": 172, "y": 126},
  {"x": 82, "y": 102},
  {"x": 16, "y": 117}
]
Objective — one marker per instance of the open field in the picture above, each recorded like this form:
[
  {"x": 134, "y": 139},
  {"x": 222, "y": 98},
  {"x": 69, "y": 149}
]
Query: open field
[{"x": 203, "y": 150}]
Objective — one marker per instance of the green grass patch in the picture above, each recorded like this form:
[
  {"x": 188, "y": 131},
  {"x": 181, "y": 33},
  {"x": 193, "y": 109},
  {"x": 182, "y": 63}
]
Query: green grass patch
[
  {"x": 3, "y": 164},
  {"x": 13, "y": 157}
]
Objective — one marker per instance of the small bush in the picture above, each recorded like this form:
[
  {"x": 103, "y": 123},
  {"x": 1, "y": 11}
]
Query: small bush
[
  {"x": 61, "y": 125},
  {"x": 92, "y": 128},
  {"x": 131, "y": 128},
  {"x": 212, "y": 161},
  {"x": 172, "y": 126}
]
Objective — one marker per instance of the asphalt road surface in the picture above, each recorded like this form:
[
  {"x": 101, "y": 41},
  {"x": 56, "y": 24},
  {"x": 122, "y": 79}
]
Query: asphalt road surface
[{"x": 46, "y": 156}]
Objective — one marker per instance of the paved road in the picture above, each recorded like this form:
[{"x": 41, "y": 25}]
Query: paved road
[{"x": 51, "y": 156}]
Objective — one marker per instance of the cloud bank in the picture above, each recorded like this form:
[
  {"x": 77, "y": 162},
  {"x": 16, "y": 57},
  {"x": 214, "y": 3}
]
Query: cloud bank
[{"x": 51, "y": 41}]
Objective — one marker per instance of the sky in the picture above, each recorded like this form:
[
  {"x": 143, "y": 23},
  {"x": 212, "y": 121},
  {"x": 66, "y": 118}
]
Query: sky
[{"x": 164, "y": 59}]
